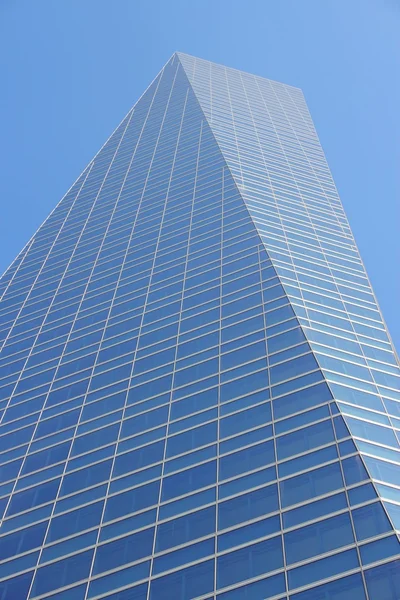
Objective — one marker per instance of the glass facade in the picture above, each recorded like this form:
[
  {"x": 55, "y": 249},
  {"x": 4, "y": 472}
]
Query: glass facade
[{"x": 198, "y": 394}]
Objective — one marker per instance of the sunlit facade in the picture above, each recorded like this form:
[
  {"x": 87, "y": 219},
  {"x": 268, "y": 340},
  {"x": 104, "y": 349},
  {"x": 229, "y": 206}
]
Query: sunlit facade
[{"x": 198, "y": 395}]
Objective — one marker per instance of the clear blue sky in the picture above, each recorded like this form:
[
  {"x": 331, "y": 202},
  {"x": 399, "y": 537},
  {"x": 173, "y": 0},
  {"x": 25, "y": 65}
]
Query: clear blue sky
[{"x": 71, "y": 69}]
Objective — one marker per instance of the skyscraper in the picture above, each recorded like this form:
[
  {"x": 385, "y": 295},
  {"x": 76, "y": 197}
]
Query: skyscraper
[{"x": 199, "y": 397}]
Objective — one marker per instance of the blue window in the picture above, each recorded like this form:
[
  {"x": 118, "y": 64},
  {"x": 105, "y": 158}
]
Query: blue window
[
  {"x": 242, "y": 355},
  {"x": 246, "y": 402},
  {"x": 40, "y": 460},
  {"x": 90, "y": 441},
  {"x": 62, "y": 573},
  {"x": 191, "y": 439},
  {"x": 144, "y": 421},
  {"x": 145, "y": 405},
  {"x": 191, "y": 458},
  {"x": 132, "y": 501},
  {"x": 394, "y": 513},
  {"x": 57, "y": 423},
  {"x": 315, "y": 483},
  {"x": 347, "y": 447},
  {"x": 307, "y": 461},
  {"x": 198, "y": 344},
  {"x": 340, "y": 428},
  {"x": 313, "y": 510},
  {"x": 293, "y": 368},
  {"x": 304, "y": 439},
  {"x": 149, "y": 389},
  {"x": 124, "y": 550},
  {"x": 196, "y": 419},
  {"x": 247, "y": 482},
  {"x": 249, "y": 562},
  {"x": 189, "y": 503},
  {"x": 362, "y": 494},
  {"x": 137, "y": 459},
  {"x": 249, "y": 533},
  {"x": 75, "y": 521},
  {"x": 197, "y": 321},
  {"x": 252, "y": 417},
  {"x": 96, "y": 409},
  {"x": 35, "y": 496},
  {"x": 244, "y": 385},
  {"x": 75, "y": 593},
  {"x": 138, "y": 592},
  {"x": 372, "y": 432},
  {"x": 199, "y": 371},
  {"x": 285, "y": 340},
  {"x": 245, "y": 340},
  {"x": 383, "y": 582},
  {"x": 130, "y": 524},
  {"x": 370, "y": 520},
  {"x": 266, "y": 588},
  {"x": 17, "y": 565},
  {"x": 183, "y": 556},
  {"x": 86, "y": 477},
  {"x": 139, "y": 440},
  {"x": 184, "y": 529},
  {"x": 241, "y": 370},
  {"x": 189, "y": 480},
  {"x": 199, "y": 401},
  {"x": 354, "y": 470},
  {"x": 241, "y": 306},
  {"x": 152, "y": 362},
  {"x": 194, "y": 388},
  {"x": 248, "y": 506},
  {"x": 289, "y": 353},
  {"x": 117, "y": 374},
  {"x": 185, "y": 584},
  {"x": 80, "y": 498},
  {"x": 17, "y": 587},
  {"x": 272, "y": 293},
  {"x": 385, "y": 548},
  {"x": 256, "y": 435},
  {"x": 347, "y": 588},
  {"x": 279, "y": 314},
  {"x": 301, "y": 400},
  {"x": 383, "y": 471},
  {"x": 318, "y": 538},
  {"x": 322, "y": 569},
  {"x": 22, "y": 541},
  {"x": 243, "y": 328},
  {"x": 119, "y": 579},
  {"x": 69, "y": 546},
  {"x": 247, "y": 460}
]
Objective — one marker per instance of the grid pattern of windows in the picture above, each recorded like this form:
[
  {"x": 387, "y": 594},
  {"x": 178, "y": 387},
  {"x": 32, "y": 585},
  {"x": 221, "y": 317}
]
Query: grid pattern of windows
[
  {"x": 270, "y": 145},
  {"x": 197, "y": 390}
]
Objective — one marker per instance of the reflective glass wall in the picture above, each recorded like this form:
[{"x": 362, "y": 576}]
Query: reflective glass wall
[{"x": 198, "y": 395}]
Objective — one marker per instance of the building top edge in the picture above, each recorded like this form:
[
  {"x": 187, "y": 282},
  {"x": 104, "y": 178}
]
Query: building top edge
[{"x": 179, "y": 54}]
